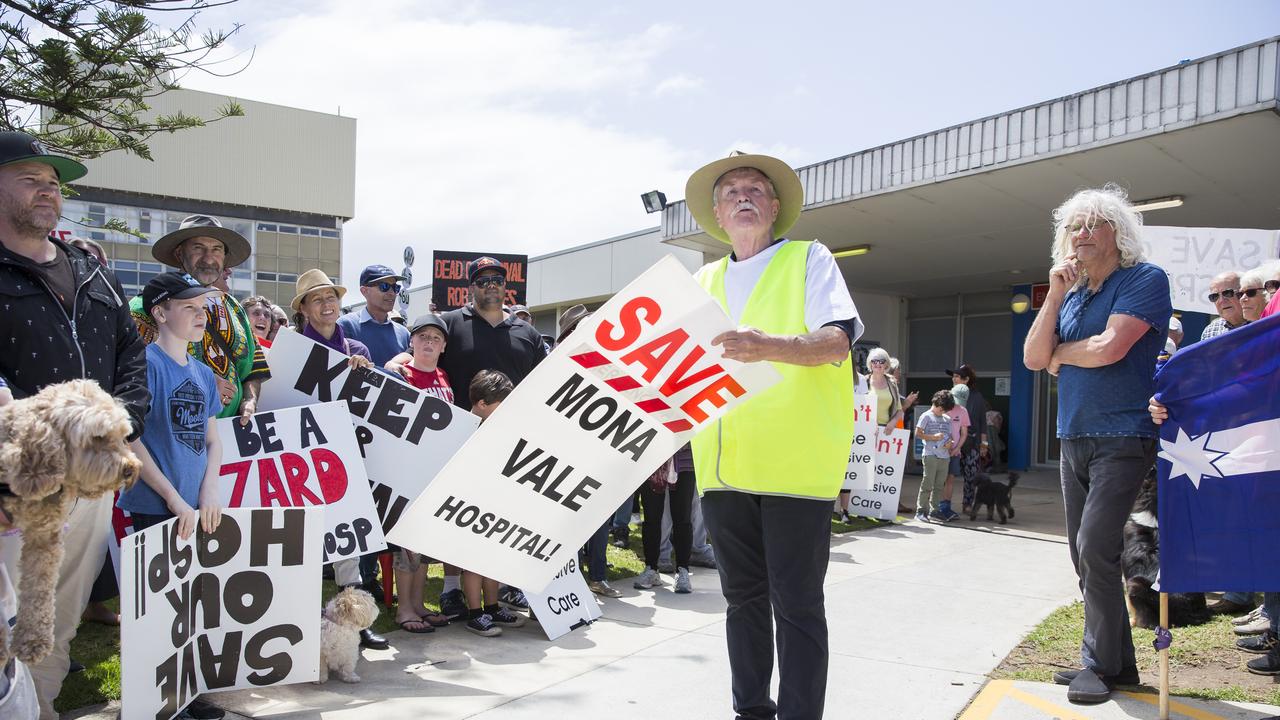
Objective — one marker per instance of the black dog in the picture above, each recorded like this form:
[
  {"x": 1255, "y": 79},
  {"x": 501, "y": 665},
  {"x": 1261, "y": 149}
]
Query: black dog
[
  {"x": 994, "y": 495},
  {"x": 1140, "y": 563}
]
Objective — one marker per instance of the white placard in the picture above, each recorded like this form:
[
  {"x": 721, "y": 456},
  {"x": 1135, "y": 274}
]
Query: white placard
[
  {"x": 238, "y": 608},
  {"x": 566, "y": 604},
  {"x": 881, "y": 501},
  {"x": 626, "y": 390},
  {"x": 404, "y": 434},
  {"x": 298, "y": 457},
  {"x": 1193, "y": 255},
  {"x": 859, "y": 473}
]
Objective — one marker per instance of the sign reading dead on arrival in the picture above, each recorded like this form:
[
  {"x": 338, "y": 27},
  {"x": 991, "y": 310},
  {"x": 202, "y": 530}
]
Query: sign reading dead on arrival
[
  {"x": 404, "y": 435},
  {"x": 235, "y": 608},
  {"x": 303, "y": 456},
  {"x": 629, "y": 387},
  {"x": 450, "y": 284}
]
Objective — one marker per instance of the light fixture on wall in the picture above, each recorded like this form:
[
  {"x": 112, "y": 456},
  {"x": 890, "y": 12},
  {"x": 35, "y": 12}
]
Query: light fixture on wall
[
  {"x": 654, "y": 201},
  {"x": 854, "y": 251},
  {"x": 1020, "y": 303},
  {"x": 1160, "y": 203}
]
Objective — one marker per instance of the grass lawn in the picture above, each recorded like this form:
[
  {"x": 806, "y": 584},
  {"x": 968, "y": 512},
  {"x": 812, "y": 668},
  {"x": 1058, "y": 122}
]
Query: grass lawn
[{"x": 1203, "y": 660}]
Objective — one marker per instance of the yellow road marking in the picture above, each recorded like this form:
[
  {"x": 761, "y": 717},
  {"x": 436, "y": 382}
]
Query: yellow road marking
[
  {"x": 1058, "y": 713},
  {"x": 986, "y": 701},
  {"x": 1175, "y": 707},
  {"x": 997, "y": 690}
]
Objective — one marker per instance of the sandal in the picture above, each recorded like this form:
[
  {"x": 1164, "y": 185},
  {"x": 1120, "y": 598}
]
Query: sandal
[
  {"x": 434, "y": 619},
  {"x": 423, "y": 626}
]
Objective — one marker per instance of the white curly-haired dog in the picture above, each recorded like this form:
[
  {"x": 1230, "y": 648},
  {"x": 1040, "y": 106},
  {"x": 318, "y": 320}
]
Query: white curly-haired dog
[
  {"x": 345, "y": 615},
  {"x": 65, "y": 442}
]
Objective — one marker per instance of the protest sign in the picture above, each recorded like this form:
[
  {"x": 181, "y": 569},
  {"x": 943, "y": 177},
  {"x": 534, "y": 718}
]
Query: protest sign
[
  {"x": 617, "y": 398},
  {"x": 297, "y": 457},
  {"x": 235, "y": 608},
  {"x": 566, "y": 604},
  {"x": 450, "y": 285},
  {"x": 1193, "y": 255},
  {"x": 881, "y": 500},
  {"x": 404, "y": 435},
  {"x": 858, "y": 476}
]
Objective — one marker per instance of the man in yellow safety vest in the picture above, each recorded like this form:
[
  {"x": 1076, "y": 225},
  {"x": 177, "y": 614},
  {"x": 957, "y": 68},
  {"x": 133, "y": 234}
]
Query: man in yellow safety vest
[{"x": 769, "y": 470}]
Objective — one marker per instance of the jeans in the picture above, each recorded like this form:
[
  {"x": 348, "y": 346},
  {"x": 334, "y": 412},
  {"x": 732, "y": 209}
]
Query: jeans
[
  {"x": 597, "y": 545},
  {"x": 1101, "y": 477},
  {"x": 1271, "y": 608},
  {"x": 773, "y": 554},
  {"x": 1239, "y": 598}
]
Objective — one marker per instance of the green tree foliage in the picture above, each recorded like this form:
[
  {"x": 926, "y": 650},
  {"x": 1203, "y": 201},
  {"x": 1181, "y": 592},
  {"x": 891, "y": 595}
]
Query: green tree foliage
[{"x": 78, "y": 74}]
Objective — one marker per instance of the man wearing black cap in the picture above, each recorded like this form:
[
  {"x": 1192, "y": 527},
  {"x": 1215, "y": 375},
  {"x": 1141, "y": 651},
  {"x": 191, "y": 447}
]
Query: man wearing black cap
[
  {"x": 372, "y": 323},
  {"x": 483, "y": 336},
  {"x": 63, "y": 317}
]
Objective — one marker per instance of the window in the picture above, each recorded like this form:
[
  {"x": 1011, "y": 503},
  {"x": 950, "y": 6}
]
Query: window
[
  {"x": 151, "y": 267},
  {"x": 310, "y": 231},
  {"x": 288, "y": 229},
  {"x": 124, "y": 265},
  {"x": 267, "y": 227},
  {"x": 271, "y": 277},
  {"x": 97, "y": 215},
  {"x": 329, "y": 233},
  {"x": 144, "y": 222},
  {"x": 933, "y": 345}
]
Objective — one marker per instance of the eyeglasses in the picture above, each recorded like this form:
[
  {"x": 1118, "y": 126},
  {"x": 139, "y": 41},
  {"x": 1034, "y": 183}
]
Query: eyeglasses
[
  {"x": 1251, "y": 292},
  {"x": 1271, "y": 285},
  {"x": 385, "y": 286},
  {"x": 489, "y": 281},
  {"x": 1089, "y": 228},
  {"x": 878, "y": 362},
  {"x": 1228, "y": 294}
]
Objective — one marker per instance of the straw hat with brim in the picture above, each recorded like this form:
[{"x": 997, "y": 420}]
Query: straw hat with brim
[
  {"x": 697, "y": 192},
  {"x": 570, "y": 319},
  {"x": 166, "y": 248},
  {"x": 313, "y": 280}
]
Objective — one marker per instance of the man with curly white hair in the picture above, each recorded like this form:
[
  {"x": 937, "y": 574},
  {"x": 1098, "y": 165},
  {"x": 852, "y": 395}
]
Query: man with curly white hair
[{"x": 1101, "y": 327}]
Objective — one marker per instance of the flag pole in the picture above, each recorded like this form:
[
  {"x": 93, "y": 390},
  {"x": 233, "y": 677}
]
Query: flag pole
[{"x": 1164, "y": 659}]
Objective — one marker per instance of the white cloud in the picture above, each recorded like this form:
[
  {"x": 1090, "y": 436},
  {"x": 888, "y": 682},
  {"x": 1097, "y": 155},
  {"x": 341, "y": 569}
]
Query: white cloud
[
  {"x": 472, "y": 132},
  {"x": 677, "y": 84}
]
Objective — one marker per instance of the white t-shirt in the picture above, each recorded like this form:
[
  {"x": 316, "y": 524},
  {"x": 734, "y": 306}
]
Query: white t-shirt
[{"x": 826, "y": 297}]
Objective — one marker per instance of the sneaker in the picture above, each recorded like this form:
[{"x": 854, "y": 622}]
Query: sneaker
[
  {"x": 201, "y": 710},
  {"x": 648, "y": 579},
  {"x": 937, "y": 515},
  {"x": 604, "y": 589},
  {"x": 503, "y": 617},
  {"x": 921, "y": 517},
  {"x": 453, "y": 605},
  {"x": 683, "y": 585},
  {"x": 1259, "y": 644},
  {"x": 1268, "y": 664},
  {"x": 1088, "y": 688},
  {"x": 1127, "y": 676},
  {"x": 950, "y": 515},
  {"x": 1259, "y": 625},
  {"x": 705, "y": 560},
  {"x": 1254, "y": 614},
  {"x": 482, "y": 624},
  {"x": 666, "y": 566},
  {"x": 512, "y": 598}
]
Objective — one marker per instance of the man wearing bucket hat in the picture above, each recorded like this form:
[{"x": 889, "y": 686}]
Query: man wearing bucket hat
[
  {"x": 770, "y": 470},
  {"x": 204, "y": 249},
  {"x": 64, "y": 317}
]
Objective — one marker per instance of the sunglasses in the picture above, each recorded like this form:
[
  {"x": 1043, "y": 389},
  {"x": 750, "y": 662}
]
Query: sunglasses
[
  {"x": 1228, "y": 294},
  {"x": 385, "y": 286},
  {"x": 878, "y": 362},
  {"x": 1251, "y": 292},
  {"x": 1271, "y": 285},
  {"x": 489, "y": 281}
]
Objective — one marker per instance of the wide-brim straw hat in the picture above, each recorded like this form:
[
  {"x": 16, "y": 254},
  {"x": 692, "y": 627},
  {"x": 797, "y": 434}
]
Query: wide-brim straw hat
[
  {"x": 166, "y": 248},
  {"x": 313, "y": 280},
  {"x": 570, "y": 319},
  {"x": 697, "y": 192}
]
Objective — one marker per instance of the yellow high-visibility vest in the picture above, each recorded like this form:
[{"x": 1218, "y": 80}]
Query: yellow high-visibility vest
[{"x": 792, "y": 439}]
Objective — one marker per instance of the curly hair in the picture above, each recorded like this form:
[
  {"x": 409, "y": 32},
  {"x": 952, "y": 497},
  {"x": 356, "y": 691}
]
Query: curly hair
[{"x": 1109, "y": 203}]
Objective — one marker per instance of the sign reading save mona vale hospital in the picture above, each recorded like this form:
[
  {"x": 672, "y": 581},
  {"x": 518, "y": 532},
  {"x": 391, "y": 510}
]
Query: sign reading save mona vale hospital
[{"x": 449, "y": 282}]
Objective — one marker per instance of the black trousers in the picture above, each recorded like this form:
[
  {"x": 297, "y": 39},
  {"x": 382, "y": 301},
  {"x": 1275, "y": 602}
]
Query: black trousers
[
  {"x": 681, "y": 519},
  {"x": 772, "y": 554}
]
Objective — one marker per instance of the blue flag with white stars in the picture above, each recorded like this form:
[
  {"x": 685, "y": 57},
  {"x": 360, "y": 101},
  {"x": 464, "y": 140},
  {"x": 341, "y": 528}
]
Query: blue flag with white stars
[{"x": 1219, "y": 463}]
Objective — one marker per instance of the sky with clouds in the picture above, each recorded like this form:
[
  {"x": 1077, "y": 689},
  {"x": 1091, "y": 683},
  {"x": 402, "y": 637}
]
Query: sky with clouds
[{"x": 533, "y": 127}]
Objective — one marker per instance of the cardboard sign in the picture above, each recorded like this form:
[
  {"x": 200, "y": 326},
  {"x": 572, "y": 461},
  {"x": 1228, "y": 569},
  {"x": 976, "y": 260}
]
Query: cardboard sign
[
  {"x": 450, "y": 285},
  {"x": 237, "y": 608},
  {"x": 298, "y": 457},
  {"x": 566, "y": 604},
  {"x": 881, "y": 500},
  {"x": 1193, "y": 255},
  {"x": 404, "y": 434},
  {"x": 626, "y": 390},
  {"x": 858, "y": 475}
]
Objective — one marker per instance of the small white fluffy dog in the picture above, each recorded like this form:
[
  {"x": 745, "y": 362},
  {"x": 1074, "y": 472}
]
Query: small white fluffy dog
[{"x": 349, "y": 612}]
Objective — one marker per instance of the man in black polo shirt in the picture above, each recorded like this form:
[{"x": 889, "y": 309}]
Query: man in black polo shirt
[{"x": 483, "y": 336}]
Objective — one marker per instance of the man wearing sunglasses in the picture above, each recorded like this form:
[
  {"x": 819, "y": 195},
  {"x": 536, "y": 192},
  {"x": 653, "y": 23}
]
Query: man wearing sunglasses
[
  {"x": 372, "y": 324},
  {"x": 1224, "y": 293}
]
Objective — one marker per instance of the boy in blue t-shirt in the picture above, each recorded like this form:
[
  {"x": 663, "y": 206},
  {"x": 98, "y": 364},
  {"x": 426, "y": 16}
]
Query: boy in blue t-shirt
[
  {"x": 179, "y": 447},
  {"x": 934, "y": 428}
]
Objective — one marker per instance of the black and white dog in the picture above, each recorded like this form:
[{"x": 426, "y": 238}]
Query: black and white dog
[
  {"x": 1140, "y": 563},
  {"x": 995, "y": 495}
]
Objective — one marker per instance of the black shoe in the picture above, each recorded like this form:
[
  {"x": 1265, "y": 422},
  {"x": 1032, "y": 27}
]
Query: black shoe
[
  {"x": 453, "y": 605},
  {"x": 1126, "y": 676},
  {"x": 513, "y": 598},
  {"x": 1259, "y": 644},
  {"x": 1088, "y": 688},
  {"x": 372, "y": 640},
  {"x": 75, "y": 666},
  {"x": 201, "y": 710},
  {"x": 1268, "y": 664}
]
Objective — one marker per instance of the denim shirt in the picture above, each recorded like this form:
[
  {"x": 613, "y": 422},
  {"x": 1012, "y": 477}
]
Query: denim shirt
[{"x": 1111, "y": 401}]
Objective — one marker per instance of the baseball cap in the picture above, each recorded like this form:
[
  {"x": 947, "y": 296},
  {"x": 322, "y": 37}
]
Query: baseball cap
[
  {"x": 21, "y": 147},
  {"x": 374, "y": 273},
  {"x": 483, "y": 262},
  {"x": 172, "y": 286},
  {"x": 521, "y": 309},
  {"x": 429, "y": 320}
]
